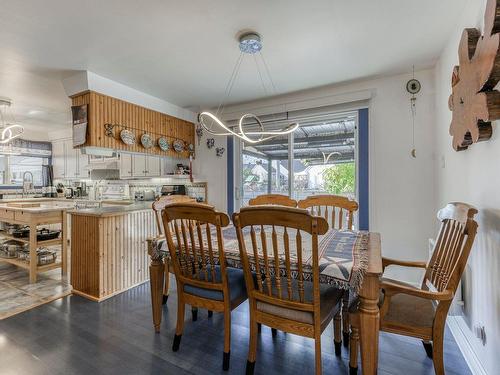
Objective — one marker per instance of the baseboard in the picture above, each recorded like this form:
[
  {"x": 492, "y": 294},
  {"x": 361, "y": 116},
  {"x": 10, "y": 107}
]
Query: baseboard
[{"x": 464, "y": 345}]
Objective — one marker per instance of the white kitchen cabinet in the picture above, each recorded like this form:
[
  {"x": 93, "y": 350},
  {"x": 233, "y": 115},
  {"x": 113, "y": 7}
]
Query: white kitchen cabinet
[
  {"x": 67, "y": 162},
  {"x": 83, "y": 162},
  {"x": 126, "y": 166},
  {"x": 138, "y": 165},
  {"x": 152, "y": 166},
  {"x": 59, "y": 159}
]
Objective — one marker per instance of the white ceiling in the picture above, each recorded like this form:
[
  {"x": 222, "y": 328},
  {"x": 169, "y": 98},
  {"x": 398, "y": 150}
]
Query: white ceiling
[{"x": 184, "y": 51}]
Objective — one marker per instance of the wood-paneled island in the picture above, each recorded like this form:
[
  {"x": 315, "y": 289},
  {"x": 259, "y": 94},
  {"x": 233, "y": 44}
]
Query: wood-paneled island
[{"x": 109, "y": 249}]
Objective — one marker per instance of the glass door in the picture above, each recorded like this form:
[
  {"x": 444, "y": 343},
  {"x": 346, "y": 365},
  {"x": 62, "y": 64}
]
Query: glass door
[{"x": 319, "y": 158}]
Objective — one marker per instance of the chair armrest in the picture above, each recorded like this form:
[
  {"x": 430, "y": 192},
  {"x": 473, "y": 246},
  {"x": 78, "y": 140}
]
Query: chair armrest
[
  {"x": 395, "y": 262},
  {"x": 391, "y": 289},
  {"x": 154, "y": 245}
]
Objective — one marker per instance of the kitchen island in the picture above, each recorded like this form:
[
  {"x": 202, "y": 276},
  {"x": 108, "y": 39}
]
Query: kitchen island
[
  {"x": 109, "y": 248},
  {"x": 33, "y": 215}
]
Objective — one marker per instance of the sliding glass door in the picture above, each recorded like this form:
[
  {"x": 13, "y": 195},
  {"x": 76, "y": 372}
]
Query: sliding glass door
[{"x": 319, "y": 158}]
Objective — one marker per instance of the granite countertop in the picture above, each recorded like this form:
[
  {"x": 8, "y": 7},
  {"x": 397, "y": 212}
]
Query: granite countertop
[{"x": 113, "y": 210}]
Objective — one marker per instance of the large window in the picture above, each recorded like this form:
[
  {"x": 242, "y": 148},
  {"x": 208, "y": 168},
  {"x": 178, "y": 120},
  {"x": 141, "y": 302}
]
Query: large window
[
  {"x": 318, "y": 158},
  {"x": 12, "y": 169}
]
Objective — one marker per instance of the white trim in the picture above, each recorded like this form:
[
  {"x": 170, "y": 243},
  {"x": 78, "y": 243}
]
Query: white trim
[{"x": 464, "y": 345}]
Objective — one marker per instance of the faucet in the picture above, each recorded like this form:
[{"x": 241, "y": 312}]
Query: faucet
[{"x": 27, "y": 184}]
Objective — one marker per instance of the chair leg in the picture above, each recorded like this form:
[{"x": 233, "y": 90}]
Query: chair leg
[
  {"x": 259, "y": 327},
  {"x": 180, "y": 323},
  {"x": 210, "y": 313},
  {"x": 227, "y": 338},
  {"x": 345, "y": 318},
  {"x": 166, "y": 285},
  {"x": 252, "y": 347},
  {"x": 337, "y": 336},
  {"x": 437, "y": 352},
  {"x": 317, "y": 354},
  {"x": 428, "y": 348},
  {"x": 353, "y": 351},
  {"x": 194, "y": 313},
  {"x": 274, "y": 332}
]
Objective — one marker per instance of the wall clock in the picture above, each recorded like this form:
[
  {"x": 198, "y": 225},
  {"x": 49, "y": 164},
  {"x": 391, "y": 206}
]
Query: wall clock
[{"x": 474, "y": 101}]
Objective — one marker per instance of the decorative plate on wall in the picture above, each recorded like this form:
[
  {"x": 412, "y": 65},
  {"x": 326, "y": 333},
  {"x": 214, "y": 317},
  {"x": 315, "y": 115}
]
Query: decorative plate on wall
[
  {"x": 127, "y": 137},
  {"x": 178, "y": 145},
  {"x": 146, "y": 140},
  {"x": 163, "y": 144}
]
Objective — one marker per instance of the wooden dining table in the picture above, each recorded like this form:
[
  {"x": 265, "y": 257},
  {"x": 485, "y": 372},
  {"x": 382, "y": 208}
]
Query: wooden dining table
[{"x": 365, "y": 284}]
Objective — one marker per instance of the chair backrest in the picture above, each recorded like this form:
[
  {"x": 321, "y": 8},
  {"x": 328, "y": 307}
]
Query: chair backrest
[
  {"x": 282, "y": 244},
  {"x": 336, "y": 209},
  {"x": 273, "y": 199},
  {"x": 452, "y": 247},
  {"x": 195, "y": 242},
  {"x": 160, "y": 203}
]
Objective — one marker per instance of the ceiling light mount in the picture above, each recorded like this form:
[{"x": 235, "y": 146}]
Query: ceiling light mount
[{"x": 250, "y": 42}]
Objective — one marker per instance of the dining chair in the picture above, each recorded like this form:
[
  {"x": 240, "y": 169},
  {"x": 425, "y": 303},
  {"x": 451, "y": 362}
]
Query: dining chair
[
  {"x": 158, "y": 205},
  {"x": 203, "y": 280},
  {"x": 421, "y": 312},
  {"x": 339, "y": 212},
  {"x": 273, "y": 199},
  {"x": 296, "y": 305}
]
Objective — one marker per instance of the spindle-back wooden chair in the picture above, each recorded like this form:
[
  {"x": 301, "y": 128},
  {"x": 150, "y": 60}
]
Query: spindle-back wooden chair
[
  {"x": 293, "y": 305},
  {"x": 158, "y": 205},
  {"x": 339, "y": 212},
  {"x": 421, "y": 312},
  {"x": 194, "y": 238},
  {"x": 273, "y": 199}
]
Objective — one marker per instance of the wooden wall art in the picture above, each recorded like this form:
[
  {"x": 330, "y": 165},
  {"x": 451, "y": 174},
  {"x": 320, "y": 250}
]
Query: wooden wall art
[
  {"x": 474, "y": 101},
  {"x": 108, "y": 117}
]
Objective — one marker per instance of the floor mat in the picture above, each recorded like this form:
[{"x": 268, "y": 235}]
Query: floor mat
[{"x": 18, "y": 295}]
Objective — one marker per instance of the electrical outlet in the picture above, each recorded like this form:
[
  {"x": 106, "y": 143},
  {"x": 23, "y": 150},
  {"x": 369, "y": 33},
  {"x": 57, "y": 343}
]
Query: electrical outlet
[{"x": 480, "y": 333}]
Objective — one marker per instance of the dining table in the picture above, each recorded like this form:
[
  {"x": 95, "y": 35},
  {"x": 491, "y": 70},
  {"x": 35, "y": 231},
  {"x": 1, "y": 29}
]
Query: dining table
[{"x": 348, "y": 259}]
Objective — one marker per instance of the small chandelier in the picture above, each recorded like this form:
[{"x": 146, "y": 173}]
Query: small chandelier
[
  {"x": 250, "y": 44},
  {"x": 8, "y": 130}
]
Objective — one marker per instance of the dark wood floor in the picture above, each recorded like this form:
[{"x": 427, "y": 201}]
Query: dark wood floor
[{"x": 75, "y": 336}]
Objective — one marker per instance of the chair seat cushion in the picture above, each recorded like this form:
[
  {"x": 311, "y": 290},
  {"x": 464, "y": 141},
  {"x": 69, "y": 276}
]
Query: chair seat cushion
[
  {"x": 404, "y": 309},
  {"x": 236, "y": 281},
  {"x": 329, "y": 301}
]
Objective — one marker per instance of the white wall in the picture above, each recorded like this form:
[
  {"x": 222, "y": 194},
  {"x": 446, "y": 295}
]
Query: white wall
[
  {"x": 212, "y": 169},
  {"x": 402, "y": 193},
  {"x": 472, "y": 176}
]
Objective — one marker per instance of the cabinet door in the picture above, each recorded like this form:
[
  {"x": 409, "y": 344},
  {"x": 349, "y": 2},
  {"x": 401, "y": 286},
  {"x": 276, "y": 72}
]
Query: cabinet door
[
  {"x": 83, "y": 162},
  {"x": 71, "y": 161},
  {"x": 58, "y": 159},
  {"x": 139, "y": 165},
  {"x": 125, "y": 165},
  {"x": 152, "y": 166}
]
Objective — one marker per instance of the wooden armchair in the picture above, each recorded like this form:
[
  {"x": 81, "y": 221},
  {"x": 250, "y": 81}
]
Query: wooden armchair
[
  {"x": 421, "y": 312},
  {"x": 273, "y": 199},
  {"x": 158, "y": 205},
  {"x": 293, "y": 305},
  {"x": 203, "y": 280},
  {"x": 339, "y": 212}
]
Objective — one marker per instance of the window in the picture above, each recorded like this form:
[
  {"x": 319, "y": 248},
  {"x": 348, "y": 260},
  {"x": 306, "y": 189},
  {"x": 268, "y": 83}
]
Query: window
[
  {"x": 322, "y": 153},
  {"x": 12, "y": 169}
]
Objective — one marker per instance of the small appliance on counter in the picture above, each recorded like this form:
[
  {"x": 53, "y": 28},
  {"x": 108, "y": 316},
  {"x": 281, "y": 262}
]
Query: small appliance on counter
[
  {"x": 145, "y": 195},
  {"x": 173, "y": 190},
  {"x": 49, "y": 192}
]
